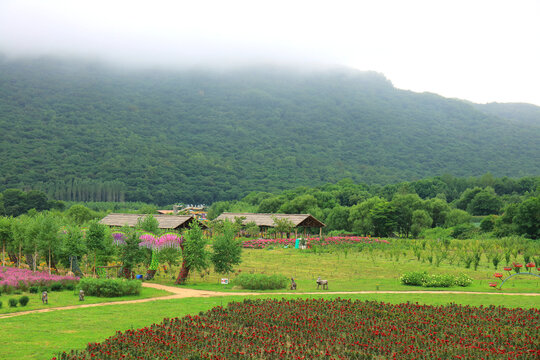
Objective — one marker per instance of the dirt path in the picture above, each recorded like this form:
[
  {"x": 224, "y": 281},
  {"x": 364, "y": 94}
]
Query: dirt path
[{"x": 179, "y": 293}]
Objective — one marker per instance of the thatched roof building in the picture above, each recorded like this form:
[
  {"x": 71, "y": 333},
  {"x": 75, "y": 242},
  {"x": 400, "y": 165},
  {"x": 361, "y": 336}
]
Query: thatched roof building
[
  {"x": 165, "y": 221},
  {"x": 267, "y": 220}
]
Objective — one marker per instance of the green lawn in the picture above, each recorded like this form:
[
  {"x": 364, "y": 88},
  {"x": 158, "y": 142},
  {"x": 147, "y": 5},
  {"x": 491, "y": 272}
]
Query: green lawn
[
  {"x": 355, "y": 271},
  {"x": 68, "y": 298},
  {"x": 42, "y": 336}
]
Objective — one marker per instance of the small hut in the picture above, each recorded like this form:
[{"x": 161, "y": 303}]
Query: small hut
[
  {"x": 169, "y": 222},
  {"x": 265, "y": 221}
]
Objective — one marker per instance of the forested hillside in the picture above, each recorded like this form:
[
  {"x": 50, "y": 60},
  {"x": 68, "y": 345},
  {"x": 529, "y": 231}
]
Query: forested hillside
[
  {"x": 82, "y": 131},
  {"x": 518, "y": 112}
]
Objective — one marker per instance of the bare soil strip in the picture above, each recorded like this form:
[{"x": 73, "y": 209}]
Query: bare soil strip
[{"x": 179, "y": 293}]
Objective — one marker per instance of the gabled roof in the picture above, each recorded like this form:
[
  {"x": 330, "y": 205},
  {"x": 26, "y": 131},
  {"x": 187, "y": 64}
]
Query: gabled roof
[
  {"x": 165, "y": 221},
  {"x": 304, "y": 220}
]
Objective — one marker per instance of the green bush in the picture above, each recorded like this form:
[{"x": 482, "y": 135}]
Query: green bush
[
  {"x": 463, "y": 280},
  {"x": 0, "y": 304},
  {"x": 13, "y": 302},
  {"x": 261, "y": 281},
  {"x": 422, "y": 278},
  {"x": 69, "y": 286},
  {"x": 110, "y": 287},
  {"x": 23, "y": 300},
  {"x": 56, "y": 286},
  {"x": 415, "y": 278},
  {"x": 439, "y": 280},
  {"x": 464, "y": 231},
  {"x": 33, "y": 289}
]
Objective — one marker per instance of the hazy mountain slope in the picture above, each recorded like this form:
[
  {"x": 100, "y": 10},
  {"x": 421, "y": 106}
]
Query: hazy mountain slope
[
  {"x": 518, "y": 112},
  {"x": 79, "y": 130}
]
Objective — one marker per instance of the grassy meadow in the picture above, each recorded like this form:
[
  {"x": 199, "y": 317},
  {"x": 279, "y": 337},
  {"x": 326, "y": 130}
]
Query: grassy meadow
[
  {"x": 42, "y": 336},
  {"x": 362, "y": 268},
  {"x": 68, "y": 298},
  {"x": 353, "y": 269}
]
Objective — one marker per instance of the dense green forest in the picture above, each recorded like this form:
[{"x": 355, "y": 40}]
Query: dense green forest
[
  {"x": 82, "y": 131},
  {"x": 436, "y": 207}
]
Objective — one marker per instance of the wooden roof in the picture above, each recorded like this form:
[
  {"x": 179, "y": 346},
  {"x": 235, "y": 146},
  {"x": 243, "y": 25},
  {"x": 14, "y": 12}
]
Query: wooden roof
[
  {"x": 304, "y": 220},
  {"x": 165, "y": 221}
]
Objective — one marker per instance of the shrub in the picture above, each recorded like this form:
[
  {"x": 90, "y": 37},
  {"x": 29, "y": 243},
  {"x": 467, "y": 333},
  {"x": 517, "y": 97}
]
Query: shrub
[
  {"x": 110, "y": 287},
  {"x": 463, "y": 231},
  {"x": 13, "y": 302},
  {"x": 33, "y": 289},
  {"x": 56, "y": 286},
  {"x": 69, "y": 286},
  {"x": 463, "y": 280},
  {"x": 438, "y": 280},
  {"x": 422, "y": 278},
  {"x": 23, "y": 300},
  {"x": 415, "y": 278},
  {"x": 261, "y": 281},
  {"x": 0, "y": 304}
]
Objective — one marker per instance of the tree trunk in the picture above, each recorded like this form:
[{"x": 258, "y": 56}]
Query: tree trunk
[
  {"x": 29, "y": 260},
  {"x": 53, "y": 265},
  {"x": 184, "y": 272},
  {"x": 35, "y": 257},
  {"x": 13, "y": 258}
]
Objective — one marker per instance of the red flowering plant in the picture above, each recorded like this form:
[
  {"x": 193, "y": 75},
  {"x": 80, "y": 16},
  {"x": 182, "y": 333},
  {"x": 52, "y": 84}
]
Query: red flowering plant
[
  {"x": 329, "y": 329},
  {"x": 498, "y": 275},
  {"x": 517, "y": 267},
  {"x": 529, "y": 266}
]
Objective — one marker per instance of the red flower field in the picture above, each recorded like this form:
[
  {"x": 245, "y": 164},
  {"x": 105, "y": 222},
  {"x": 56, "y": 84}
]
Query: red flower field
[{"x": 330, "y": 329}]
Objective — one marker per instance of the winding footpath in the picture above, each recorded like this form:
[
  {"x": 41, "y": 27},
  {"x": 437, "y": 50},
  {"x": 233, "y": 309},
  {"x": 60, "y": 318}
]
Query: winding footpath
[{"x": 179, "y": 293}]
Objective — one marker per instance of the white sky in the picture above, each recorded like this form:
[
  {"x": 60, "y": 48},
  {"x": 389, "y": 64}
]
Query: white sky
[{"x": 479, "y": 50}]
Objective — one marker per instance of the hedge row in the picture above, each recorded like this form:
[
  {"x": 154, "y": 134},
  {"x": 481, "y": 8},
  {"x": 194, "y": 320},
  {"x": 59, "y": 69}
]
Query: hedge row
[{"x": 110, "y": 287}]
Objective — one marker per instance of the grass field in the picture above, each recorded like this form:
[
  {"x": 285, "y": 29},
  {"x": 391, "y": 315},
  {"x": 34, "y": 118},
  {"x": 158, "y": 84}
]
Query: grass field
[
  {"x": 42, "y": 336},
  {"x": 353, "y": 271},
  {"x": 68, "y": 298}
]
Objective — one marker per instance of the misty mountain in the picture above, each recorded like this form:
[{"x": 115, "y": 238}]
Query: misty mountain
[
  {"x": 81, "y": 130},
  {"x": 517, "y": 112}
]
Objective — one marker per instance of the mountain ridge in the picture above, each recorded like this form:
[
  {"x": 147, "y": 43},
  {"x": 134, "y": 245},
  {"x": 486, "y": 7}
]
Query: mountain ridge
[{"x": 205, "y": 135}]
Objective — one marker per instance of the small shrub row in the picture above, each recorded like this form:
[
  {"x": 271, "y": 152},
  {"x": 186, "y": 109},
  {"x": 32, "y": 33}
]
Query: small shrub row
[
  {"x": 110, "y": 287},
  {"x": 422, "y": 278},
  {"x": 261, "y": 281},
  {"x": 56, "y": 286},
  {"x": 23, "y": 300}
]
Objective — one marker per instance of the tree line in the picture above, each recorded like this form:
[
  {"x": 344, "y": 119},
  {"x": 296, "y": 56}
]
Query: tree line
[
  {"x": 504, "y": 206},
  {"x": 52, "y": 238}
]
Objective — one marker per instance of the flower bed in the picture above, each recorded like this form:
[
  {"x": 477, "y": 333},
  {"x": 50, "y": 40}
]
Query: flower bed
[
  {"x": 310, "y": 242},
  {"x": 330, "y": 329},
  {"x": 14, "y": 278}
]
